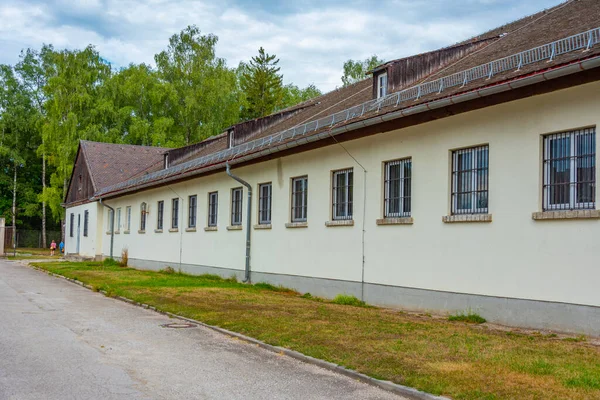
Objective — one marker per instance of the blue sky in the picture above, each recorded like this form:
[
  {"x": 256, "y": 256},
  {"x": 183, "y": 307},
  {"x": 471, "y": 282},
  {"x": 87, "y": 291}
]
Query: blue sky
[{"x": 311, "y": 38}]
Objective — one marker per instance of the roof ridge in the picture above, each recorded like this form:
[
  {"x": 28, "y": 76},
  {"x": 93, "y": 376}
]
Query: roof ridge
[{"x": 84, "y": 141}]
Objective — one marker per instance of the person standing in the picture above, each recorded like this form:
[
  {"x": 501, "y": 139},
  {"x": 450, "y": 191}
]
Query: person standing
[
  {"x": 52, "y": 248},
  {"x": 61, "y": 247}
]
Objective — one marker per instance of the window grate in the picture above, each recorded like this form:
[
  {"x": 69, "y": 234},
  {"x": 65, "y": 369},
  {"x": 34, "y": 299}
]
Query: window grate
[
  {"x": 128, "y": 218},
  {"x": 570, "y": 170},
  {"x": 160, "y": 214},
  {"x": 470, "y": 168},
  {"x": 86, "y": 219},
  {"x": 300, "y": 199},
  {"x": 143, "y": 217},
  {"x": 118, "y": 219},
  {"x": 236, "y": 206},
  {"x": 175, "y": 214},
  {"x": 265, "y": 192},
  {"x": 397, "y": 188},
  {"x": 342, "y": 194},
  {"x": 213, "y": 203},
  {"x": 192, "y": 211}
]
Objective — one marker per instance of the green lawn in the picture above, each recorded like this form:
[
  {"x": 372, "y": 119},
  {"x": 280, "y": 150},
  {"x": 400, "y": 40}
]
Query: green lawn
[
  {"x": 31, "y": 253},
  {"x": 456, "y": 359}
]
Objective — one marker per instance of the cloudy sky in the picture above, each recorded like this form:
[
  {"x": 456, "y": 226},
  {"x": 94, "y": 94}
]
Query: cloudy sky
[{"x": 312, "y": 38}]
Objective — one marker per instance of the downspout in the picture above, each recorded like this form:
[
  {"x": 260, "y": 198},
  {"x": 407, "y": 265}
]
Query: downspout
[
  {"x": 112, "y": 227},
  {"x": 248, "y": 221}
]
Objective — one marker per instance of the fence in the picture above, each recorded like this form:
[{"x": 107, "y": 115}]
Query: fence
[{"x": 25, "y": 238}]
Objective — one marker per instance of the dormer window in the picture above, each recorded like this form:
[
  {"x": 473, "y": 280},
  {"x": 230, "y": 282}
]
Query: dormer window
[
  {"x": 381, "y": 85},
  {"x": 166, "y": 160}
]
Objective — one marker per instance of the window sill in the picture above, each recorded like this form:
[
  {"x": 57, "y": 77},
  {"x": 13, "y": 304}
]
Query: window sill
[
  {"x": 210, "y": 229},
  {"x": 125, "y": 232},
  {"x": 467, "y": 218},
  {"x": 395, "y": 221},
  {"x": 234, "y": 228},
  {"x": 566, "y": 214},
  {"x": 190, "y": 229},
  {"x": 117, "y": 232},
  {"x": 108, "y": 232},
  {"x": 158, "y": 231},
  {"x": 296, "y": 225},
  {"x": 341, "y": 222},
  {"x": 174, "y": 230},
  {"x": 142, "y": 231},
  {"x": 262, "y": 226}
]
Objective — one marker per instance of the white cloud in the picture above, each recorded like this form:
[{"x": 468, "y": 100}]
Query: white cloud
[{"x": 312, "y": 40}]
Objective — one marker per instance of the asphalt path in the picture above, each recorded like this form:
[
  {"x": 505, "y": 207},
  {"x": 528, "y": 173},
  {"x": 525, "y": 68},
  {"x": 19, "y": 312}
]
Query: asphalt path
[{"x": 59, "y": 341}]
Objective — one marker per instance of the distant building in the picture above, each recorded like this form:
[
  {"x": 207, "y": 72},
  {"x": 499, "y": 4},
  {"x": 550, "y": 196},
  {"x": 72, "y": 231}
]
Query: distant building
[{"x": 454, "y": 180}]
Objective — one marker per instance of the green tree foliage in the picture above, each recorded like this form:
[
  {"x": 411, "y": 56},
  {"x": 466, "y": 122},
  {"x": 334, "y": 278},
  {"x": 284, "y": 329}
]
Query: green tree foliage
[
  {"x": 53, "y": 98},
  {"x": 293, "y": 95},
  {"x": 356, "y": 70},
  {"x": 206, "y": 91},
  {"x": 262, "y": 85}
]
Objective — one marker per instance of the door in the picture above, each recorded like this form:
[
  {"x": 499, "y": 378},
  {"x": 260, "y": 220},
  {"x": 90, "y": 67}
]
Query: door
[{"x": 78, "y": 229}]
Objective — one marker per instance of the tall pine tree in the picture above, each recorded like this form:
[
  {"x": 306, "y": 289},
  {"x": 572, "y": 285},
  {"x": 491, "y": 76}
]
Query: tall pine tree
[{"x": 261, "y": 84}]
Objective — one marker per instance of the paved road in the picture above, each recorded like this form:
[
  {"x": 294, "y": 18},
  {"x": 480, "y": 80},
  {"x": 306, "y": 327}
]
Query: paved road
[{"x": 60, "y": 341}]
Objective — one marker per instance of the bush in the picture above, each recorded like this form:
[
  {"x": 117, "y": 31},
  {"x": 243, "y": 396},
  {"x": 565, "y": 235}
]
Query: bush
[
  {"x": 307, "y": 295},
  {"x": 471, "y": 318},
  {"x": 124, "y": 257},
  {"x": 167, "y": 270},
  {"x": 348, "y": 300},
  {"x": 109, "y": 262},
  {"x": 273, "y": 288}
]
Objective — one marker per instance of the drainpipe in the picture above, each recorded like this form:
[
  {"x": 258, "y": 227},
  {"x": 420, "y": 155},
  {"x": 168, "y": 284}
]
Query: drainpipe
[
  {"x": 248, "y": 221},
  {"x": 112, "y": 227}
]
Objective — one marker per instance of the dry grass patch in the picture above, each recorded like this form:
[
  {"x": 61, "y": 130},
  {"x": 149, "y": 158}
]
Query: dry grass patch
[{"x": 459, "y": 360}]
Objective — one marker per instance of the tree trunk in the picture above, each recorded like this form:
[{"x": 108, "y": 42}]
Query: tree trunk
[
  {"x": 44, "y": 200},
  {"x": 14, "y": 207},
  {"x": 62, "y": 221}
]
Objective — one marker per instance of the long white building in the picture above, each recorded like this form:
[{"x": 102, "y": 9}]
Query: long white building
[{"x": 462, "y": 179}]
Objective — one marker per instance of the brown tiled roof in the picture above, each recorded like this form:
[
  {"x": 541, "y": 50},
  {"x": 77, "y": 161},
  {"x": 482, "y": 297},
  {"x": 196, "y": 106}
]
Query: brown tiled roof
[
  {"x": 567, "y": 19},
  {"x": 110, "y": 163}
]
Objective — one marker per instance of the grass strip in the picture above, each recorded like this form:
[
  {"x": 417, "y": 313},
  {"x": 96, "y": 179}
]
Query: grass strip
[{"x": 451, "y": 358}]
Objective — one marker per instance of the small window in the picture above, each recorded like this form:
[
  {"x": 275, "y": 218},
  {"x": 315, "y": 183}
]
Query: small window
[
  {"x": 160, "y": 212},
  {"x": 143, "y": 214},
  {"x": 213, "y": 205},
  {"x": 109, "y": 221},
  {"x": 382, "y": 85},
  {"x": 80, "y": 183},
  {"x": 192, "y": 211},
  {"x": 470, "y": 180},
  {"x": 300, "y": 199},
  {"x": 264, "y": 203},
  {"x": 128, "y": 222},
  {"x": 397, "y": 188},
  {"x": 342, "y": 194},
  {"x": 86, "y": 219},
  {"x": 71, "y": 224},
  {"x": 236, "y": 206},
  {"x": 118, "y": 224},
  {"x": 175, "y": 214},
  {"x": 570, "y": 170}
]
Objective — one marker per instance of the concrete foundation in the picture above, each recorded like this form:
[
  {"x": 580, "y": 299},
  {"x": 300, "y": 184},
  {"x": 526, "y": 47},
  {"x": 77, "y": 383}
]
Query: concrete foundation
[{"x": 523, "y": 313}]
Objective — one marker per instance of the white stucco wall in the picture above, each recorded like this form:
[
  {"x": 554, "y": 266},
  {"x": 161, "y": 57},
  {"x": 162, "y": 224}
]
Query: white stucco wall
[
  {"x": 513, "y": 256},
  {"x": 91, "y": 245}
]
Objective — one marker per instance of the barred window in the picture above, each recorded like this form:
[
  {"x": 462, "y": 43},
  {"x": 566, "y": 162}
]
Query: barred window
[
  {"x": 192, "y": 211},
  {"x": 470, "y": 169},
  {"x": 118, "y": 224},
  {"x": 71, "y": 224},
  {"x": 264, "y": 203},
  {"x": 570, "y": 170},
  {"x": 397, "y": 188},
  {"x": 213, "y": 205},
  {"x": 236, "y": 206},
  {"x": 143, "y": 217},
  {"x": 109, "y": 220},
  {"x": 342, "y": 194},
  {"x": 86, "y": 219},
  {"x": 128, "y": 211},
  {"x": 299, "y": 199},
  {"x": 175, "y": 213},
  {"x": 160, "y": 214}
]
